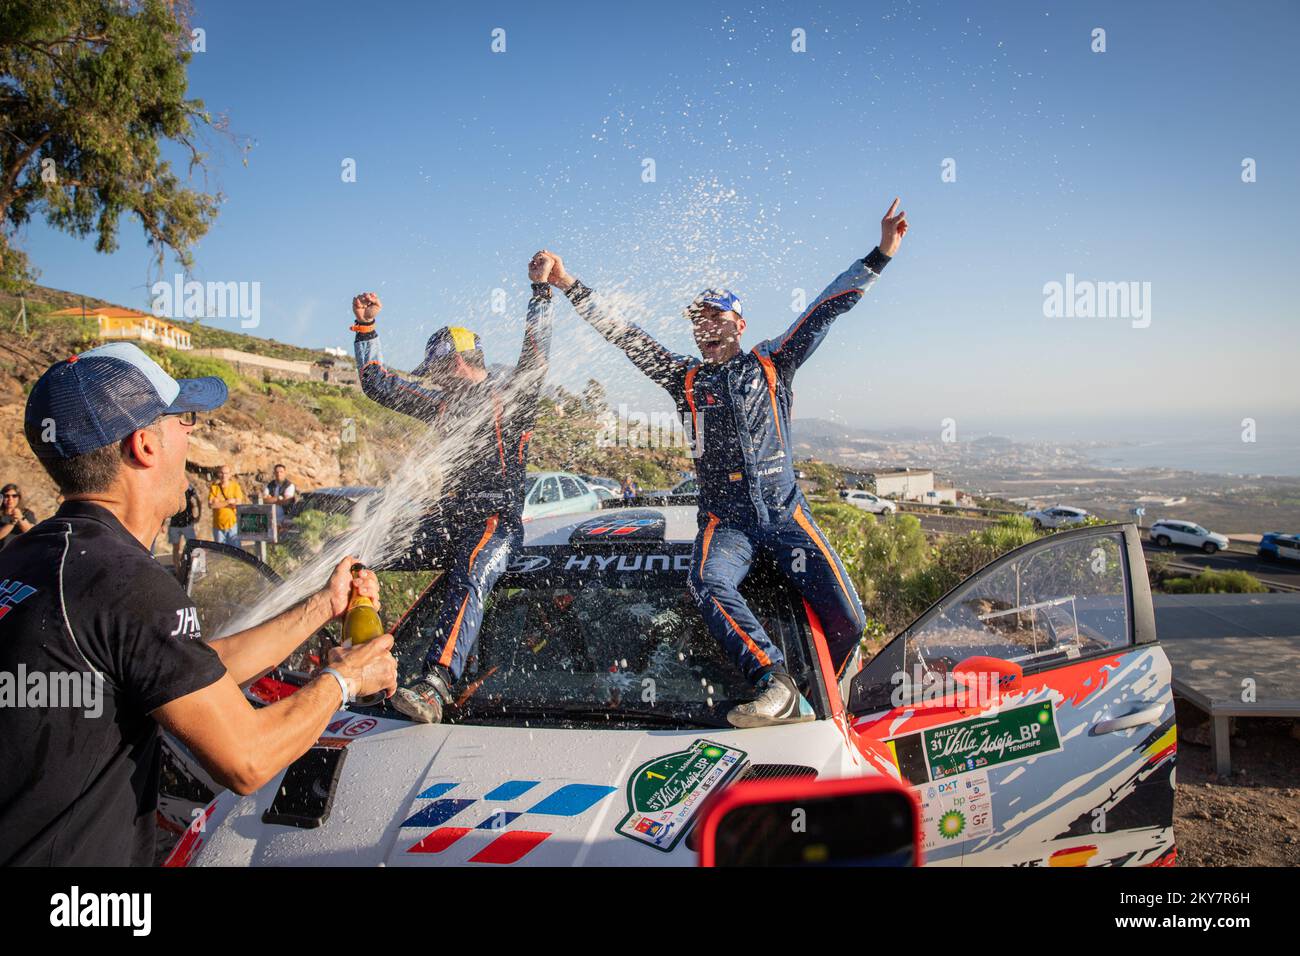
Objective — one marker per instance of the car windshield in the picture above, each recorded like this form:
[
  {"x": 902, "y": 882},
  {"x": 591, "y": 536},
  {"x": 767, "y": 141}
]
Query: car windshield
[{"x": 622, "y": 649}]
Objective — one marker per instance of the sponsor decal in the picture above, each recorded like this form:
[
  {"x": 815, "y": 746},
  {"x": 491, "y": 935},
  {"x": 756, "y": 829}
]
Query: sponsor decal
[
  {"x": 616, "y": 529},
  {"x": 664, "y": 794},
  {"x": 628, "y": 562},
  {"x": 187, "y": 623},
  {"x": 735, "y": 476},
  {"x": 338, "y": 725},
  {"x": 360, "y": 727},
  {"x": 955, "y": 810},
  {"x": 526, "y": 564},
  {"x": 988, "y": 741},
  {"x": 977, "y": 744},
  {"x": 13, "y": 593},
  {"x": 509, "y": 845}
]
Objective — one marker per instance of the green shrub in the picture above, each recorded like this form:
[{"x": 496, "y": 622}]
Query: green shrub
[{"x": 1216, "y": 582}]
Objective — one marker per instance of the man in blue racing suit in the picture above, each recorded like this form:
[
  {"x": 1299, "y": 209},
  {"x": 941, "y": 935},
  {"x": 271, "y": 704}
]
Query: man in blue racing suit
[
  {"x": 486, "y": 416},
  {"x": 735, "y": 406}
]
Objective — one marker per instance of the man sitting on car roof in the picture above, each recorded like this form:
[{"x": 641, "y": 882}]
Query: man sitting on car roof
[
  {"x": 736, "y": 407},
  {"x": 479, "y": 520}
]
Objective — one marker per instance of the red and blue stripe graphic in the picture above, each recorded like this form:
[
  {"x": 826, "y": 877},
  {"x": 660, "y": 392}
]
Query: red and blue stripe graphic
[
  {"x": 568, "y": 800},
  {"x": 13, "y": 593}
]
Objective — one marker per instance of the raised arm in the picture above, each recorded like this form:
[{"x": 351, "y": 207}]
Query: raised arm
[
  {"x": 663, "y": 367},
  {"x": 793, "y": 347},
  {"x": 536, "y": 352},
  {"x": 380, "y": 385}
]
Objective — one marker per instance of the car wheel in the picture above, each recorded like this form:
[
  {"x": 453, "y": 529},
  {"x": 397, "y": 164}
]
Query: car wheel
[
  {"x": 1038, "y": 525},
  {"x": 1162, "y": 540},
  {"x": 1209, "y": 547}
]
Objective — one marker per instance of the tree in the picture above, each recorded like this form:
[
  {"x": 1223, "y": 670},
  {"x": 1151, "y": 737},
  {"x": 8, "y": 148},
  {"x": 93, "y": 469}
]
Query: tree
[{"x": 90, "y": 91}]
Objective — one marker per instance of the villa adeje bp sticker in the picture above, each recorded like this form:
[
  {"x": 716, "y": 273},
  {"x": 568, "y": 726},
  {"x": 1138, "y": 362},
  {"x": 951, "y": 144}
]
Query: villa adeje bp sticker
[
  {"x": 987, "y": 741},
  {"x": 665, "y": 793}
]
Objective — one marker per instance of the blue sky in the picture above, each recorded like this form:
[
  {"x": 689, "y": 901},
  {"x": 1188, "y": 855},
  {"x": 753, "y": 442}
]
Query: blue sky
[{"x": 772, "y": 171}]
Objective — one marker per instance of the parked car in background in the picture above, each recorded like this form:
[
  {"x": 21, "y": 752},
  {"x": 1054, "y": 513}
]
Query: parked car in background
[
  {"x": 1057, "y": 516},
  {"x": 603, "y": 493},
  {"x": 687, "y": 486},
  {"x": 342, "y": 500},
  {"x": 557, "y": 493},
  {"x": 1279, "y": 546},
  {"x": 595, "y": 481},
  {"x": 869, "y": 502},
  {"x": 1167, "y": 531}
]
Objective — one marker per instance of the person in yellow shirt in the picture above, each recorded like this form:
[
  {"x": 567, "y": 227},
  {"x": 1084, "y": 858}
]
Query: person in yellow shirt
[{"x": 224, "y": 494}]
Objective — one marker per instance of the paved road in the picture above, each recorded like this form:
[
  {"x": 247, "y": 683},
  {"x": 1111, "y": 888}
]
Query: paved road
[
  {"x": 1280, "y": 572},
  {"x": 1285, "y": 573}
]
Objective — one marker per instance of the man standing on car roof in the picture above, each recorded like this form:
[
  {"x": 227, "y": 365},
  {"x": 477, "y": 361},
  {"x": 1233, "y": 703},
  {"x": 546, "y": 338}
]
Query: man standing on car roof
[
  {"x": 479, "y": 521},
  {"x": 736, "y": 407}
]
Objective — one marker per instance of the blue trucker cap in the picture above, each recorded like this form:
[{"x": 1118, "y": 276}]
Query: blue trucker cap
[
  {"x": 102, "y": 395},
  {"x": 723, "y": 299}
]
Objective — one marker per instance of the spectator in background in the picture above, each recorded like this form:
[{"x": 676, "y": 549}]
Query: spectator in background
[
  {"x": 14, "y": 518},
  {"x": 184, "y": 524},
  {"x": 629, "y": 488},
  {"x": 280, "y": 492},
  {"x": 224, "y": 494}
]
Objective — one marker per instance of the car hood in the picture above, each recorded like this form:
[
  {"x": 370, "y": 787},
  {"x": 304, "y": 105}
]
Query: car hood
[{"x": 420, "y": 795}]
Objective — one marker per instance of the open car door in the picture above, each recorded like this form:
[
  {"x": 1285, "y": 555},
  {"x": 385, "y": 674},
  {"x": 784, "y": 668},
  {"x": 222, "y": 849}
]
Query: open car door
[
  {"x": 224, "y": 583},
  {"x": 1030, "y": 710}
]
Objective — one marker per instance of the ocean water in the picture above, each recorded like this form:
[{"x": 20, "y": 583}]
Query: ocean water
[{"x": 1209, "y": 456}]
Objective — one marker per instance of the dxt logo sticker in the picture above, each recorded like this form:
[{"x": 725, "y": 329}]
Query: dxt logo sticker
[
  {"x": 511, "y": 845},
  {"x": 13, "y": 593}
]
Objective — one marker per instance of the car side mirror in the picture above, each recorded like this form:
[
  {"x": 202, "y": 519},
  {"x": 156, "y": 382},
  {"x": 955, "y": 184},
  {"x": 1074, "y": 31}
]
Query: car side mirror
[
  {"x": 860, "y": 821},
  {"x": 986, "y": 679}
]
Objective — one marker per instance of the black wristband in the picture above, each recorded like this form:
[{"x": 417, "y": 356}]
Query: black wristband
[
  {"x": 876, "y": 260},
  {"x": 577, "y": 292}
]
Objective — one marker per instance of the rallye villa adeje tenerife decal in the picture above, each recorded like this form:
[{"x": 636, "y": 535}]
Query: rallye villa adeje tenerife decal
[{"x": 664, "y": 794}]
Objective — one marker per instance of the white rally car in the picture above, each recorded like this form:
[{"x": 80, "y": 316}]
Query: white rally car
[{"x": 1030, "y": 711}]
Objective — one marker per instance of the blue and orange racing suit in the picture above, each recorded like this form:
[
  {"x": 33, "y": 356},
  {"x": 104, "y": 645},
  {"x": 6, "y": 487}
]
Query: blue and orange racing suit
[
  {"x": 737, "y": 415},
  {"x": 478, "y": 521}
]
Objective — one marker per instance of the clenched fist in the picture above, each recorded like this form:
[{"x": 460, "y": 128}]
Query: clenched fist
[
  {"x": 539, "y": 267},
  {"x": 365, "y": 307},
  {"x": 558, "y": 277}
]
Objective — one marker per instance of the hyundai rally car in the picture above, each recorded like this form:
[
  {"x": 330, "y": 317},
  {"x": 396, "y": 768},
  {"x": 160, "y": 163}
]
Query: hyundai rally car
[{"x": 590, "y": 727}]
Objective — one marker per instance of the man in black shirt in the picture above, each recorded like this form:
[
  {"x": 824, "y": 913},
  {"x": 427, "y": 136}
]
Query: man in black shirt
[{"x": 99, "y": 644}]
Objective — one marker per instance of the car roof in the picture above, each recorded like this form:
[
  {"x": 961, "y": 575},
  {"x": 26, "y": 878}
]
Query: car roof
[{"x": 679, "y": 524}]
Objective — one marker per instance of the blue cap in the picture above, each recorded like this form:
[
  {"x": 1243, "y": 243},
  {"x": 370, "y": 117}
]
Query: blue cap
[
  {"x": 723, "y": 299},
  {"x": 101, "y": 396},
  {"x": 446, "y": 341}
]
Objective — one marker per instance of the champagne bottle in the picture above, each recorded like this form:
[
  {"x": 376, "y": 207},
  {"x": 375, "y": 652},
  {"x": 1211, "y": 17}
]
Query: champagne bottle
[{"x": 361, "y": 623}]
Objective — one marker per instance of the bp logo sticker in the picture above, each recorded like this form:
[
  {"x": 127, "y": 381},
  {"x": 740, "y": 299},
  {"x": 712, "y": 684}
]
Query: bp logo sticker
[
  {"x": 664, "y": 794},
  {"x": 951, "y": 824}
]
